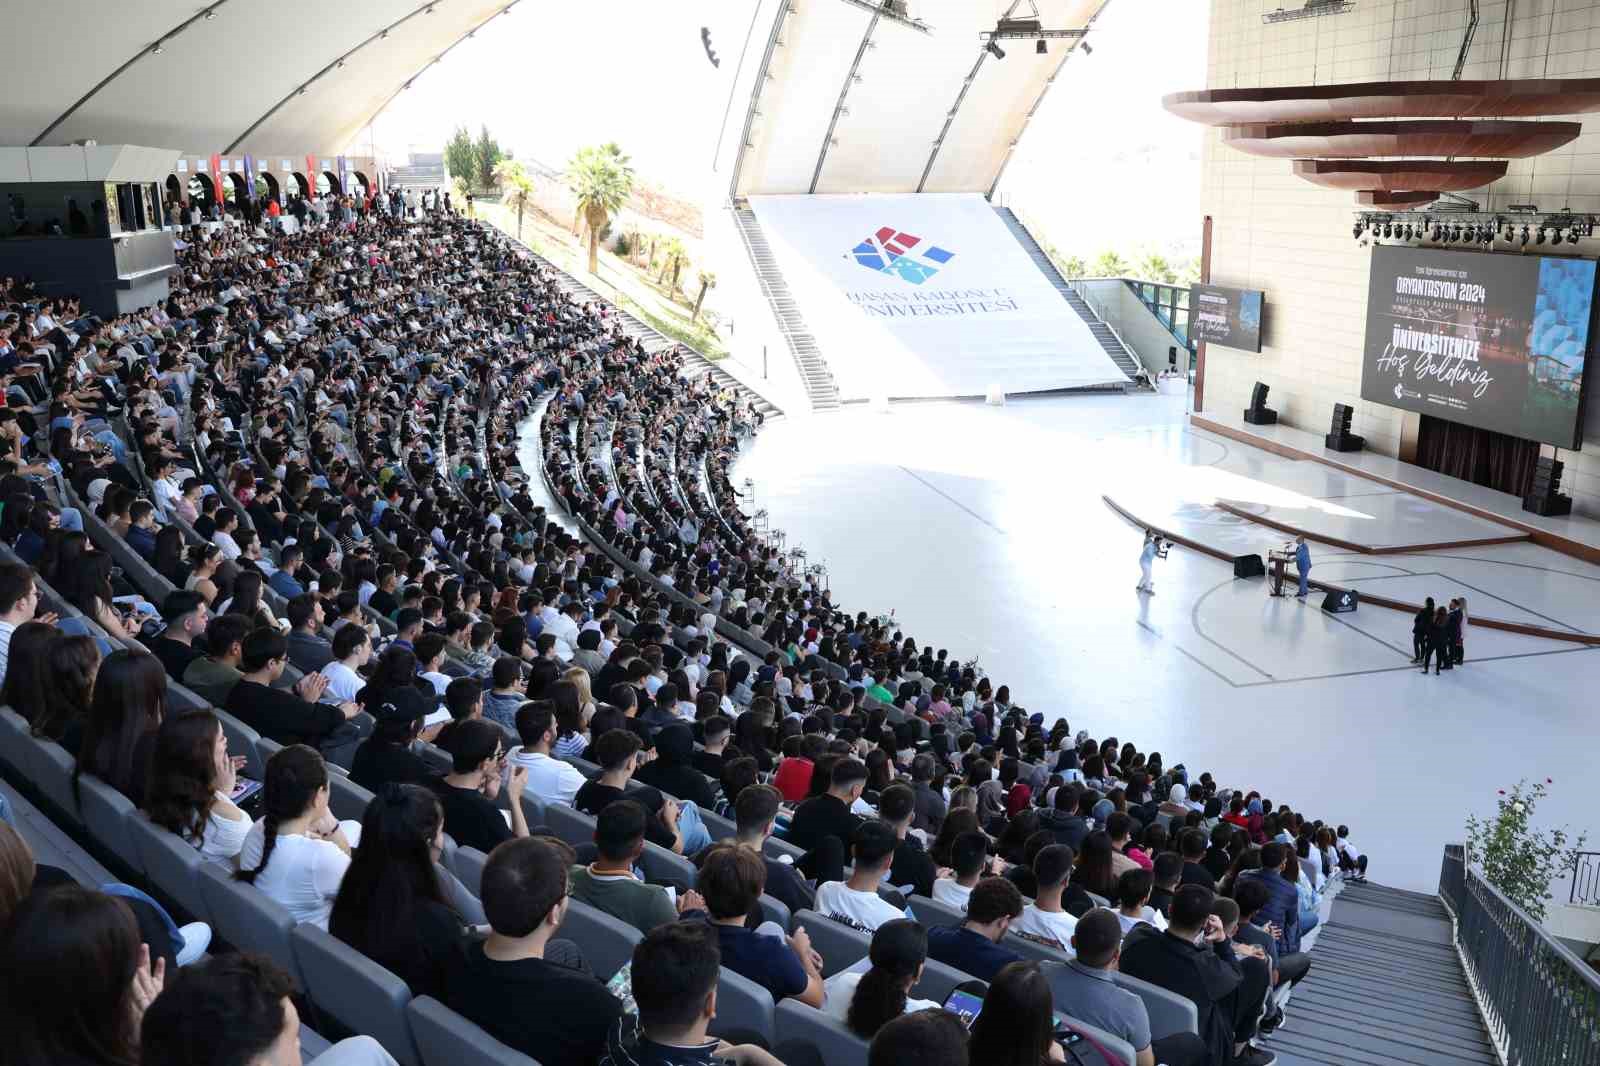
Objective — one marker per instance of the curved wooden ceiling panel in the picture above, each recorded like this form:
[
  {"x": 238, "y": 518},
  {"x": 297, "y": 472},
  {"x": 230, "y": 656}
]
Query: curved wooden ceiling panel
[
  {"x": 1522, "y": 98},
  {"x": 1410, "y": 137},
  {"x": 1382, "y": 198},
  {"x": 1399, "y": 175}
]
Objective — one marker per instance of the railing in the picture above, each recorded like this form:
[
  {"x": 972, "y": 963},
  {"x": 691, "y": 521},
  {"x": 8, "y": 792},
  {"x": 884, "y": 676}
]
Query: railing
[
  {"x": 1585, "y": 879},
  {"x": 1170, "y": 305},
  {"x": 1540, "y": 1002}
]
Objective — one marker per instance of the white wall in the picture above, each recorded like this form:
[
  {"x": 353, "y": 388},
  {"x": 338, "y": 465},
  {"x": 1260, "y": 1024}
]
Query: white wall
[
  {"x": 1291, "y": 239},
  {"x": 1135, "y": 323}
]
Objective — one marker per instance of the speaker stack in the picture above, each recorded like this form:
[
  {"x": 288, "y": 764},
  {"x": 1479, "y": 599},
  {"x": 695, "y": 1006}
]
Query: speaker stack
[
  {"x": 1339, "y": 438},
  {"x": 1258, "y": 413},
  {"x": 1341, "y": 601},
  {"x": 1544, "y": 497}
]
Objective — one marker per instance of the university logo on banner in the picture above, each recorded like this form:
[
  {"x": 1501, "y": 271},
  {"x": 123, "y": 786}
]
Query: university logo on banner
[{"x": 892, "y": 251}]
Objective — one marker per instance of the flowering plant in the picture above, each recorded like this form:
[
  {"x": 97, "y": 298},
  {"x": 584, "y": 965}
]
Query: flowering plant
[{"x": 1517, "y": 859}]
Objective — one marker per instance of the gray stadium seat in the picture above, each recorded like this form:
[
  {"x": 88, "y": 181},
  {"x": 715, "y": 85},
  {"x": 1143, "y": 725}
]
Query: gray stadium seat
[
  {"x": 1169, "y": 1012},
  {"x": 171, "y": 864},
  {"x": 445, "y": 1038},
  {"x": 248, "y": 918},
  {"x": 358, "y": 993},
  {"x": 777, "y": 849},
  {"x": 52, "y": 775},
  {"x": 833, "y": 1040},
  {"x": 938, "y": 981},
  {"x": 16, "y": 743},
  {"x": 837, "y": 943},
  {"x": 606, "y": 942},
  {"x": 662, "y": 865},
  {"x": 242, "y": 740},
  {"x": 569, "y": 823},
  {"x": 1032, "y": 949},
  {"x": 1114, "y": 1044},
  {"x": 719, "y": 827},
  {"x": 773, "y": 910},
  {"x": 347, "y": 799},
  {"x": 532, "y": 810},
  {"x": 743, "y": 1005},
  {"x": 584, "y": 766},
  {"x": 468, "y": 865},
  {"x": 932, "y": 914},
  {"x": 106, "y": 814}
]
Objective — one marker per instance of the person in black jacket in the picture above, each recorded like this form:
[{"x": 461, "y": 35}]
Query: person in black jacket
[
  {"x": 823, "y": 824},
  {"x": 1438, "y": 643},
  {"x": 1456, "y": 619},
  {"x": 1069, "y": 820},
  {"x": 673, "y": 770},
  {"x": 912, "y": 864},
  {"x": 1419, "y": 631},
  {"x": 756, "y": 814}
]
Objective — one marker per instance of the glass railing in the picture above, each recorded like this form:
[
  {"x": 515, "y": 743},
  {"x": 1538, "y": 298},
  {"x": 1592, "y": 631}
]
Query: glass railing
[{"x": 1170, "y": 305}]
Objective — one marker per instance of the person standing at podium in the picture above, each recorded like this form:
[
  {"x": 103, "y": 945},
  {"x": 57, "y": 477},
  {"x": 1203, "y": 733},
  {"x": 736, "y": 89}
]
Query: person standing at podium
[
  {"x": 1302, "y": 563},
  {"x": 1147, "y": 556}
]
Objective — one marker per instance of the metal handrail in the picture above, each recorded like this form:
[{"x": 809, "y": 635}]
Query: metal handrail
[{"x": 1539, "y": 1001}]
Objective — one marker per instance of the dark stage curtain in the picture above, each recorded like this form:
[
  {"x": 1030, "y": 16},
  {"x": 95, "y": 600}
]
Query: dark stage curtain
[{"x": 1481, "y": 456}]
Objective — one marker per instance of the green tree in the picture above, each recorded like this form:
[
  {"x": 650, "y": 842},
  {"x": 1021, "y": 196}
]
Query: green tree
[
  {"x": 1108, "y": 264},
  {"x": 516, "y": 188},
  {"x": 707, "y": 280},
  {"x": 601, "y": 178},
  {"x": 459, "y": 190},
  {"x": 673, "y": 253},
  {"x": 487, "y": 149},
  {"x": 461, "y": 158},
  {"x": 1071, "y": 266},
  {"x": 1515, "y": 858},
  {"x": 1153, "y": 266},
  {"x": 1189, "y": 272}
]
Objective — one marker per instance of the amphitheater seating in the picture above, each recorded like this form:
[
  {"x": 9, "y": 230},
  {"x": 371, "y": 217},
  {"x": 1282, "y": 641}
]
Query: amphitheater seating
[
  {"x": 445, "y": 1038},
  {"x": 170, "y": 863},
  {"x": 355, "y": 991},
  {"x": 606, "y": 942},
  {"x": 247, "y": 918},
  {"x": 839, "y": 945}
]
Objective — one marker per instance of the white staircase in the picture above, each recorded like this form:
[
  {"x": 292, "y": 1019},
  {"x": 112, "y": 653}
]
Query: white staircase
[{"x": 814, "y": 372}]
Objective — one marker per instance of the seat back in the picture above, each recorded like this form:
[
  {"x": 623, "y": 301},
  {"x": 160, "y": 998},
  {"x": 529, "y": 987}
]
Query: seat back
[
  {"x": 837, "y": 943},
  {"x": 777, "y": 849},
  {"x": 52, "y": 774},
  {"x": 346, "y": 799},
  {"x": 743, "y": 1005},
  {"x": 606, "y": 942},
  {"x": 445, "y": 1038},
  {"x": 248, "y": 918},
  {"x": 569, "y": 823},
  {"x": 834, "y": 1041},
  {"x": 1119, "y": 1047},
  {"x": 1032, "y": 949},
  {"x": 1169, "y": 1012},
  {"x": 584, "y": 766},
  {"x": 775, "y": 911},
  {"x": 533, "y": 810},
  {"x": 359, "y": 994},
  {"x": 662, "y": 865},
  {"x": 719, "y": 827},
  {"x": 106, "y": 814},
  {"x": 467, "y": 864},
  {"x": 931, "y": 913},
  {"x": 16, "y": 743},
  {"x": 171, "y": 864}
]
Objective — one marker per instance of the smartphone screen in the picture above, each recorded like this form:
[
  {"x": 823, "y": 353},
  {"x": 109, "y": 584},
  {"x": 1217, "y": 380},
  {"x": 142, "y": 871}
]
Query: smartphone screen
[{"x": 964, "y": 1005}]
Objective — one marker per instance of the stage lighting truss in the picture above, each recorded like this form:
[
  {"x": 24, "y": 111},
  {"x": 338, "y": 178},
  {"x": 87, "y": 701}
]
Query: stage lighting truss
[
  {"x": 1313, "y": 9},
  {"x": 1475, "y": 229}
]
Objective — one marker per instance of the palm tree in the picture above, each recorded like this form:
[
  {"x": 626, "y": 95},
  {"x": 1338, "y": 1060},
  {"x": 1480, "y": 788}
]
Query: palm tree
[
  {"x": 601, "y": 178},
  {"x": 1108, "y": 264},
  {"x": 707, "y": 280},
  {"x": 1074, "y": 266},
  {"x": 516, "y": 188},
  {"x": 674, "y": 253},
  {"x": 1153, "y": 266}
]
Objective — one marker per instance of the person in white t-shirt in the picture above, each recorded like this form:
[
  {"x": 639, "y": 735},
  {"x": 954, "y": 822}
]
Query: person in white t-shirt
[
  {"x": 884, "y": 979},
  {"x": 549, "y": 778},
  {"x": 1043, "y": 921},
  {"x": 298, "y": 853},
  {"x": 352, "y": 649},
  {"x": 969, "y": 857},
  {"x": 856, "y": 902},
  {"x": 1133, "y": 901}
]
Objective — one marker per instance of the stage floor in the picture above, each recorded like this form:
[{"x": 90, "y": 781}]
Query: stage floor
[{"x": 985, "y": 530}]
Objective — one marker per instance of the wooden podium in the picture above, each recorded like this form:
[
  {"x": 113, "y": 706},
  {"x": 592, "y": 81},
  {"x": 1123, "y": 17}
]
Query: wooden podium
[{"x": 1278, "y": 559}]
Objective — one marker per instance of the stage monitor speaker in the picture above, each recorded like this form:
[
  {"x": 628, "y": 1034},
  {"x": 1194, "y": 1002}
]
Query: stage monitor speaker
[
  {"x": 1341, "y": 601},
  {"x": 1339, "y": 438},
  {"x": 1544, "y": 491},
  {"x": 1258, "y": 413},
  {"x": 1248, "y": 566}
]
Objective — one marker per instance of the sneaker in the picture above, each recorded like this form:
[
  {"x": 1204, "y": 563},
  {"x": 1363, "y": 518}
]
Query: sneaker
[
  {"x": 1254, "y": 1056},
  {"x": 1271, "y": 1023}
]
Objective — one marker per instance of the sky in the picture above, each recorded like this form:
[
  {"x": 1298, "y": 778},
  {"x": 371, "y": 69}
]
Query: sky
[{"x": 1118, "y": 173}]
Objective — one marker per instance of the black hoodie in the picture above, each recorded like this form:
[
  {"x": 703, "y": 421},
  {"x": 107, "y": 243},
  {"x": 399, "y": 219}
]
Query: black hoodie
[{"x": 673, "y": 770}]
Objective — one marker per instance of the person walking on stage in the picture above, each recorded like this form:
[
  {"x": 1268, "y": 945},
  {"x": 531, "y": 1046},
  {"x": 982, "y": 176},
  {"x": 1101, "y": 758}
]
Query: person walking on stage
[
  {"x": 1456, "y": 622},
  {"x": 1302, "y": 563},
  {"x": 1147, "y": 556},
  {"x": 1438, "y": 643},
  {"x": 1419, "y": 631}
]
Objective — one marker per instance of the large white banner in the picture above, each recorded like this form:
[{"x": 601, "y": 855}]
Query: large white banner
[{"x": 931, "y": 295}]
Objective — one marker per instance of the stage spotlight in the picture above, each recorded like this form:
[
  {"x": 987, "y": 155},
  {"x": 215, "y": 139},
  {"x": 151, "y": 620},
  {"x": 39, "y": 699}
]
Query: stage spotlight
[
  {"x": 1434, "y": 234},
  {"x": 1088, "y": 49},
  {"x": 1540, "y": 238},
  {"x": 1408, "y": 232},
  {"x": 1041, "y": 48},
  {"x": 1355, "y": 230},
  {"x": 994, "y": 49},
  {"x": 705, "y": 43},
  {"x": 1525, "y": 235}
]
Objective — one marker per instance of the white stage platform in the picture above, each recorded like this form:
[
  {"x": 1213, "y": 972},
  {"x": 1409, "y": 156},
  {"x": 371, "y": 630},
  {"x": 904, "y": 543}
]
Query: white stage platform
[{"x": 985, "y": 529}]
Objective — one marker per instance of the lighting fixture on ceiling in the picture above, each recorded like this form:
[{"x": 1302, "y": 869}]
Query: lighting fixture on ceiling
[
  {"x": 994, "y": 49},
  {"x": 1041, "y": 48},
  {"x": 1088, "y": 49}
]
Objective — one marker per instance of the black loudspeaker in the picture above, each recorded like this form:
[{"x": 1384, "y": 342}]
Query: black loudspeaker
[
  {"x": 1248, "y": 566},
  {"x": 1258, "y": 413},
  {"x": 1341, "y": 601},
  {"x": 1172, "y": 356},
  {"x": 1544, "y": 492},
  {"x": 1339, "y": 438}
]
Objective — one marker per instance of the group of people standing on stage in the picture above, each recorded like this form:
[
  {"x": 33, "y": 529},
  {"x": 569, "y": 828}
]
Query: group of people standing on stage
[{"x": 1437, "y": 634}]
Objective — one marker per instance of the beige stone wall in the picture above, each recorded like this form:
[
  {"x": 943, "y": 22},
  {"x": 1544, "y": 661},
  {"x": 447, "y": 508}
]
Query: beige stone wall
[{"x": 1291, "y": 239}]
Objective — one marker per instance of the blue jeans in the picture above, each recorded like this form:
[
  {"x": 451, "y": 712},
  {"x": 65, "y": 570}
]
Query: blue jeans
[
  {"x": 696, "y": 837},
  {"x": 1305, "y": 578}
]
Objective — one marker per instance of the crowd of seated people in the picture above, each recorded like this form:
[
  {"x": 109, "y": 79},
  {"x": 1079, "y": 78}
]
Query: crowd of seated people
[{"x": 314, "y": 445}]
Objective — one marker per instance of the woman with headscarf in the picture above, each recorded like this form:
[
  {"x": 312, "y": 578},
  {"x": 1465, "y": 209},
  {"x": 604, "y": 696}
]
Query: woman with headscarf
[
  {"x": 1176, "y": 803},
  {"x": 1017, "y": 799},
  {"x": 991, "y": 807},
  {"x": 1255, "y": 821}
]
